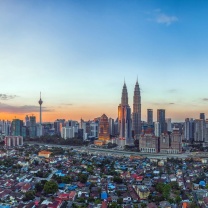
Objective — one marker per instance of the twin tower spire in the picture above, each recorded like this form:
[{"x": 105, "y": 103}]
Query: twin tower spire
[{"x": 129, "y": 124}]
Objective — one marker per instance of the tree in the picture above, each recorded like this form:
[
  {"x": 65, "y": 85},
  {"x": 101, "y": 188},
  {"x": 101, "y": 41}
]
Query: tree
[
  {"x": 114, "y": 205},
  {"x": 50, "y": 187},
  {"x": 193, "y": 205},
  {"x": 97, "y": 201},
  {"x": 66, "y": 179},
  {"x": 164, "y": 189},
  {"x": 174, "y": 185},
  {"x": 29, "y": 195},
  {"x": 82, "y": 178},
  {"x": 178, "y": 199},
  {"x": 117, "y": 179},
  {"x": 120, "y": 200},
  {"x": 90, "y": 169}
]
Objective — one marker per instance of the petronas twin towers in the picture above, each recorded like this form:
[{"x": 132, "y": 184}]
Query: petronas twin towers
[{"x": 128, "y": 124}]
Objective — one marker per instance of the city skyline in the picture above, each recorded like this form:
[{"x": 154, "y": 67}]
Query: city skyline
[{"x": 78, "y": 53}]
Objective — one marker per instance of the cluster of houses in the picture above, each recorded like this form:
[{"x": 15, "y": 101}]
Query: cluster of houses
[{"x": 90, "y": 180}]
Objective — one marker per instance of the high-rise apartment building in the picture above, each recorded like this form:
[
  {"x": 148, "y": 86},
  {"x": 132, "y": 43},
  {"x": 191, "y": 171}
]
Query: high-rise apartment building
[
  {"x": 82, "y": 126},
  {"x": 58, "y": 124},
  {"x": 136, "y": 116},
  {"x": 32, "y": 127},
  {"x": 189, "y": 129},
  {"x": 149, "y": 116},
  {"x": 27, "y": 121},
  {"x": 206, "y": 131},
  {"x": 202, "y": 116},
  {"x": 16, "y": 127},
  {"x": 69, "y": 132},
  {"x": 12, "y": 141},
  {"x": 157, "y": 129},
  {"x": 5, "y": 127},
  {"x": 168, "y": 124},
  {"x": 199, "y": 133},
  {"x": 94, "y": 126},
  {"x": 124, "y": 117},
  {"x": 161, "y": 120}
]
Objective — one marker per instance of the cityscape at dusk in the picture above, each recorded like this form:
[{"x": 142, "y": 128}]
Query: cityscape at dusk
[
  {"x": 103, "y": 104},
  {"x": 77, "y": 53}
]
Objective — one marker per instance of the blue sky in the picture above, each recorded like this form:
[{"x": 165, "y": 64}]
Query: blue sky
[{"x": 78, "y": 53}]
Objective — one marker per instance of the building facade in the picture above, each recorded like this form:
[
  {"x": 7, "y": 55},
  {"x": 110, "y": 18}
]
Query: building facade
[
  {"x": 124, "y": 117},
  {"x": 189, "y": 129},
  {"x": 171, "y": 143},
  {"x": 149, "y": 116},
  {"x": 206, "y": 131},
  {"x": 111, "y": 126},
  {"x": 32, "y": 127},
  {"x": 168, "y": 124},
  {"x": 69, "y": 132},
  {"x": 16, "y": 127},
  {"x": 176, "y": 141},
  {"x": 12, "y": 141},
  {"x": 157, "y": 129},
  {"x": 104, "y": 134},
  {"x": 136, "y": 116},
  {"x": 199, "y": 130},
  {"x": 161, "y": 120},
  {"x": 148, "y": 143}
]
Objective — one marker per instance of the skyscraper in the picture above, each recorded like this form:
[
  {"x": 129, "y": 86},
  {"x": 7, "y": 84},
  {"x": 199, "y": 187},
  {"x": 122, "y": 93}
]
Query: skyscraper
[
  {"x": 111, "y": 126},
  {"x": 136, "y": 116},
  {"x": 27, "y": 121},
  {"x": 104, "y": 134},
  {"x": 32, "y": 127},
  {"x": 16, "y": 127},
  {"x": 149, "y": 116},
  {"x": 124, "y": 117},
  {"x": 202, "y": 116},
  {"x": 168, "y": 124},
  {"x": 157, "y": 129},
  {"x": 189, "y": 129},
  {"x": 161, "y": 120},
  {"x": 199, "y": 130},
  {"x": 40, "y": 103}
]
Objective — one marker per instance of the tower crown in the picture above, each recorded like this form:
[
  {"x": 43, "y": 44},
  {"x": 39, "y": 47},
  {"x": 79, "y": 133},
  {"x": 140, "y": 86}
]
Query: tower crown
[
  {"x": 40, "y": 101},
  {"x": 124, "y": 98}
]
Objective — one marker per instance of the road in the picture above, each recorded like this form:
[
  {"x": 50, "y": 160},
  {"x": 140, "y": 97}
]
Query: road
[{"x": 120, "y": 152}]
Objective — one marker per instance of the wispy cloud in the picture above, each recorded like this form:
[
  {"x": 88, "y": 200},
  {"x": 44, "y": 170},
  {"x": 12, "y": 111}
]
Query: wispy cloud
[
  {"x": 7, "y": 97},
  {"x": 22, "y": 109},
  {"x": 162, "y": 104},
  {"x": 166, "y": 19},
  {"x": 161, "y": 18},
  {"x": 172, "y": 91},
  {"x": 67, "y": 104}
]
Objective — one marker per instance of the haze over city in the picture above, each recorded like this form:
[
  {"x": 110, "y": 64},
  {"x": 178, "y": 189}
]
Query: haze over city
[{"x": 77, "y": 53}]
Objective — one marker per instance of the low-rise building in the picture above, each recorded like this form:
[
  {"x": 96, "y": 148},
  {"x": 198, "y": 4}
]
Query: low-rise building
[
  {"x": 148, "y": 143},
  {"x": 44, "y": 153},
  {"x": 142, "y": 191}
]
